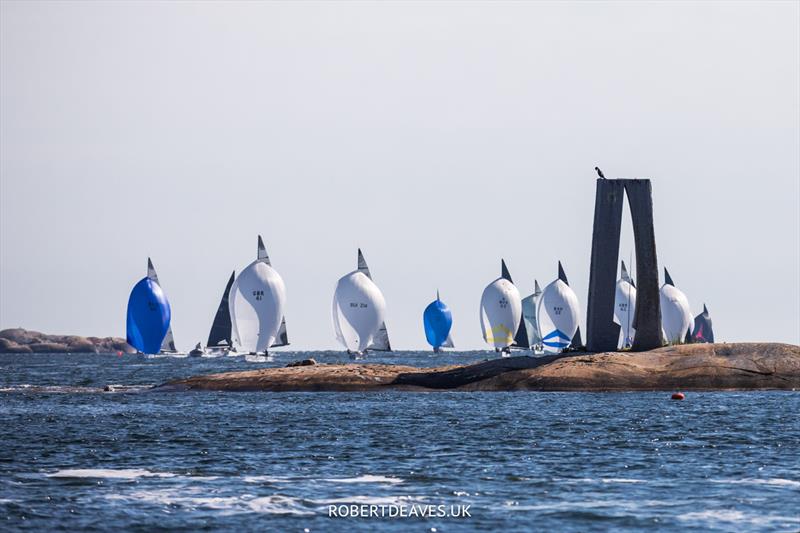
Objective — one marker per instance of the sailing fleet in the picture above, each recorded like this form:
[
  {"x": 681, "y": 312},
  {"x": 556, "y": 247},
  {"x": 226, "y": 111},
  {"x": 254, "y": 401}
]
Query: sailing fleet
[{"x": 251, "y": 317}]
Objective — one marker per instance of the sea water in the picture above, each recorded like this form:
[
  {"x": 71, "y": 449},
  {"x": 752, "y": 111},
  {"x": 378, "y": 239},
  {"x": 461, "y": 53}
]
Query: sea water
[{"x": 75, "y": 458}]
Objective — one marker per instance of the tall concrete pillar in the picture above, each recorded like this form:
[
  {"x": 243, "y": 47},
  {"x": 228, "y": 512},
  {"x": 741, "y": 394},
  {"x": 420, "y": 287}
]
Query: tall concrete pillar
[
  {"x": 602, "y": 332},
  {"x": 647, "y": 318}
]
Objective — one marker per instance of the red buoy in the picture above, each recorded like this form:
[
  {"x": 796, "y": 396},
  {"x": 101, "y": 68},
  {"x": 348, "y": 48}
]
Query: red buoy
[{"x": 678, "y": 396}]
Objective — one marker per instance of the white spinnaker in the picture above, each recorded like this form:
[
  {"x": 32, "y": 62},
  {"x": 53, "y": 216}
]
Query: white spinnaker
[
  {"x": 256, "y": 303},
  {"x": 624, "y": 310},
  {"x": 501, "y": 312},
  {"x": 676, "y": 316},
  {"x": 359, "y": 310},
  {"x": 558, "y": 316}
]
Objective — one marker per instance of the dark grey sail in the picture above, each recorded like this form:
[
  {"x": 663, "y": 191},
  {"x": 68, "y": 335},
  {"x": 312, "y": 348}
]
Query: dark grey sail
[
  {"x": 577, "y": 342},
  {"x": 627, "y": 277},
  {"x": 168, "y": 344},
  {"x": 561, "y": 274},
  {"x": 220, "y": 334},
  {"x": 668, "y": 278},
  {"x": 703, "y": 330},
  {"x": 380, "y": 343}
]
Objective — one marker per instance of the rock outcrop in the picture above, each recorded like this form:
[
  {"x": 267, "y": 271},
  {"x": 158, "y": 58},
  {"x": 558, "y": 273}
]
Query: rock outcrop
[
  {"x": 742, "y": 366},
  {"x": 18, "y": 340}
]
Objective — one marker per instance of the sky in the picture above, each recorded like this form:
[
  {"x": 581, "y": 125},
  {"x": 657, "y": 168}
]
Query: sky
[{"x": 438, "y": 137}]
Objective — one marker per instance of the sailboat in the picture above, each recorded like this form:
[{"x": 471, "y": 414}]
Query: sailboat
[
  {"x": 256, "y": 303},
  {"x": 501, "y": 314},
  {"x": 148, "y": 316},
  {"x": 558, "y": 315},
  {"x": 438, "y": 320},
  {"x": 625, "y": 306},
  {"x": 359, "y": 311},
  {"x": 529, "y": 305},
  {"x": 703, "y": 332},
  {"x": 220, "y": 338},
  {"x": 676, "y": 316},
  {"x": 168, "y": 345}
]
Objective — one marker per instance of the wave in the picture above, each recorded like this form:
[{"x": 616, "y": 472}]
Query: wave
[
  {"x": 74, "y": 389},
  {"x": 193, "y": 497},
  {"x": 367, "y": 478},
  {"x": 775, "y": 481},
  {"x": 107, "y": 473},
  {"x": 734, "y": 516},
  {"x": 370, "y": 500}
]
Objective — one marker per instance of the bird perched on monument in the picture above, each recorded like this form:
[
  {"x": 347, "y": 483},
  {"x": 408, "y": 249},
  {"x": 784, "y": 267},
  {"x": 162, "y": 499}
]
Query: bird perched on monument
[{"x": 599, "y": 173}]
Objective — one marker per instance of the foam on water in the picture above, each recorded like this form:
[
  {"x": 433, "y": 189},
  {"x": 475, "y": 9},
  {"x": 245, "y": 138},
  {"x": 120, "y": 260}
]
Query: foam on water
[
  {"x": 778, "y": 482},
  {"x": 107, "y": 473},
  {"x": 367, "y": 478}
]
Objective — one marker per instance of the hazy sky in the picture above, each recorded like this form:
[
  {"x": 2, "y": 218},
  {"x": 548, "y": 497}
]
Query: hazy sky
[{"x": 439, "y": 137}]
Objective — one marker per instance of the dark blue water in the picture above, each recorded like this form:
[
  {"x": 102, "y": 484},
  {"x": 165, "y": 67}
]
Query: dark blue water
[{"x": 74, "y": 458}]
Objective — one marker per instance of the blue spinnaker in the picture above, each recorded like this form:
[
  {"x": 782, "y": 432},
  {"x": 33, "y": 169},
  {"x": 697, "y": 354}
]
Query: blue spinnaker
[
  {"x": 148, "y": 316},
  {"x": 437, "y": 320}
]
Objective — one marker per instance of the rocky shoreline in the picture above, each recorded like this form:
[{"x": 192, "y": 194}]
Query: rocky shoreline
[
  {"x": 19, "y": 340},
  {"x": 740, "y": 366}
]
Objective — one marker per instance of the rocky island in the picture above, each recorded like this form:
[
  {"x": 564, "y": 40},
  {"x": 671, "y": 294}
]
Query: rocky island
[
  {"x": 19, "y": 340},
  {"x": 740, "y": 366}
]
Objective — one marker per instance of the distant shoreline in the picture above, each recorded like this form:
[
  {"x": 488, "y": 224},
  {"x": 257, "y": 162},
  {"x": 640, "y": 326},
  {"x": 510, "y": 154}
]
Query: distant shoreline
[{"x": 19, "y": 340}]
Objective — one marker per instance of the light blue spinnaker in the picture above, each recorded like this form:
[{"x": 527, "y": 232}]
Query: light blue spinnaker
[
  {"x": 148, "y": 316},
  {"x": 437, "y": 320}
]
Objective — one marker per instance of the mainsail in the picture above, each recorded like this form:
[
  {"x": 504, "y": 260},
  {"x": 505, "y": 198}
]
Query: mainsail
[
  {"x": 221, "y": 330},
  {"x": 703, "y": 332},
  {"x": 148, "y": 316},
  {"x": 521, "y": 336},
  {"x": 256, "y": 302},
  {"x": 380, "y": 341},
  {"x": 558, "y": 315},
  {"x": 282, "y": 338},
  {"x": 358, "y": 311},
  {"x": 529, "y": 305},
  {"x": 625, "y": 306},
  {"x": 501, "y": 311},
  {"x": 676, "y": 316},
  {"x": 168, "y": 344}
]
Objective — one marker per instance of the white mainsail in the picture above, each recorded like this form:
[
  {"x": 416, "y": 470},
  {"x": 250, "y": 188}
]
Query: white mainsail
[
  {"x": 448, "y": 342},
  {"x": 625, "y": 307},
  {"x": 380, "y": 342},
  {"x": 677, "y": 321},
  {"x": 558, "y": 314},
  {"x": 168, "y": 344},
  {"x": 257, "y": 300},
  {"x": 359, "y": 311},
  {"x": 529, "y": 306},
  {"x": 501, "y": 312}
]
